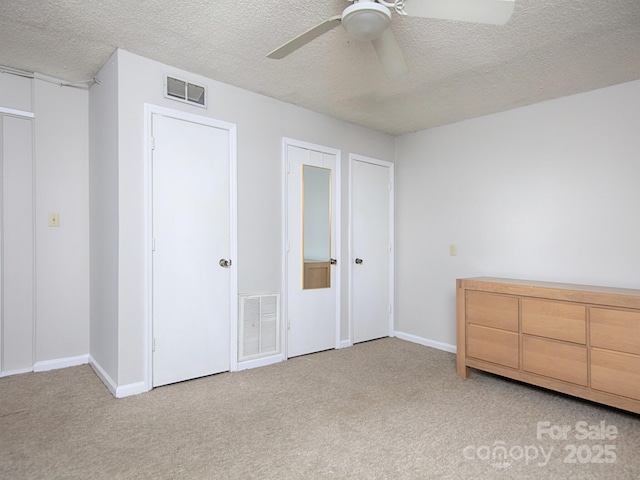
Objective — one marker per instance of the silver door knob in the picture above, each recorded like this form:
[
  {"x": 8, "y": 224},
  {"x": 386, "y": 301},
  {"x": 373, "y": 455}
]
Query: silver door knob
[
  {"x": 224, "y": 262},
  {"x": 358, "y": 261}
]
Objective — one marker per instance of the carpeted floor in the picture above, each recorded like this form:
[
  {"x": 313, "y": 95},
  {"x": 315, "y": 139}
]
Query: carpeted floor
[{"x": 386, "y": 409}]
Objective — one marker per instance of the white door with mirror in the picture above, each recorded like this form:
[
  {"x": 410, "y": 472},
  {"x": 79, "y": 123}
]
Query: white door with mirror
[{"x": 312, "y": 247}]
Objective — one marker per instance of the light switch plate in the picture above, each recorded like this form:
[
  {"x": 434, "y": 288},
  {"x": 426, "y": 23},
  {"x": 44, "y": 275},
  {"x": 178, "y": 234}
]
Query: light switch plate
[
  {"x": 54, "y": 219},
  {"x": 453, "y": 250}
]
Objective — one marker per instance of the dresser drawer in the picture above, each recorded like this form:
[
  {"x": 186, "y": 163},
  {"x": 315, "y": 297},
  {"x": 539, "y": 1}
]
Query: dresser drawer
[
  {"x": 557, "y": 320},
  {"x": 615, "y": 329},
  {"x": 493, "y": 345},
  {"x": 617, "y": 373},
  {"x": 490, "y": 310},
  {"x": 562, "y": 361}
]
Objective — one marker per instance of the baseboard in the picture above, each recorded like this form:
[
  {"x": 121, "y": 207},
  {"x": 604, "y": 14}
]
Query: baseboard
[
  {"x": 447, "y": 347},
  {"x": 131, "y": 389},
  {"x": 47, "y": 365},
  {"x": 56, "y": 363},
  {"x": 18, "y": 371},
  {"x": 118, "y": 391},
  {"x": 102, "y": 375},
  {"x": 345, "y": 344},
  {"x": 260, "y": 362}
]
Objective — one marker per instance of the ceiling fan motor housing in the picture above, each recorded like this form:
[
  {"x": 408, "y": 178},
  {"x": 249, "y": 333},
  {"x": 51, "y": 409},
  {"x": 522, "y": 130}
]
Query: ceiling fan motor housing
[{"x": 366, "y": 20}]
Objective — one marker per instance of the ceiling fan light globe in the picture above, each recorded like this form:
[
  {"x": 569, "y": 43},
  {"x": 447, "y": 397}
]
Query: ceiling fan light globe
[{"x": 366, "y": 20}]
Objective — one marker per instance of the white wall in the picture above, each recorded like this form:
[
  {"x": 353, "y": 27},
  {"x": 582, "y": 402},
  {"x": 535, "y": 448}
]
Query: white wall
[
  {"x": 262, "y": 122},
  {"x": 62, "y": 253},
  {"x": 103, "y": 188},
  {"x": 545, "y": 192},
  {"x": 46, "y": 270},
  {"x": 16, "y": 92}
]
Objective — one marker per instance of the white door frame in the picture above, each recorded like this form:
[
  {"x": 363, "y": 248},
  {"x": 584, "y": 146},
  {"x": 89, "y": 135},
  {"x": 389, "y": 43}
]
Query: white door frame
[
  {"x": 286, "y": 142},
  {"x": 383, "y": 163},
  {"x": 149, "y": 111}
]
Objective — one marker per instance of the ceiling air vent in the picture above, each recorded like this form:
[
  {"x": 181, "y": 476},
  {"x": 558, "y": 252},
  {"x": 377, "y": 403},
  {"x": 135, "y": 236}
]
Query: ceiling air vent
[{"x": 177, "y": 89}]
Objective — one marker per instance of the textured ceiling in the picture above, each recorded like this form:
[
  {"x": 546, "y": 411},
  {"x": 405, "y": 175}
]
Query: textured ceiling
[{"x": 549, "y": 49}]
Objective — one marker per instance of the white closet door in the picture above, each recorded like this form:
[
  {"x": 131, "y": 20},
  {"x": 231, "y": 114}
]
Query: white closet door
[
  {"x": 16, "y": 140},
  {"x": 371, "y": 250},
  {"x": 191, "y": 212}
]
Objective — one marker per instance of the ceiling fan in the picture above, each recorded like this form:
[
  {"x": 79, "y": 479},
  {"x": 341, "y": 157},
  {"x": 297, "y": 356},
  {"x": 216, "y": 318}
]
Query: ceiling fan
[{"x": 369, "y": 20}]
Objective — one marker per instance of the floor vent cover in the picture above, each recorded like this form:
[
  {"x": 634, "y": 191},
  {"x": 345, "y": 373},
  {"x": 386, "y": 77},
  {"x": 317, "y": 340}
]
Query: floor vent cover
[{"x": 259, "y": 329}]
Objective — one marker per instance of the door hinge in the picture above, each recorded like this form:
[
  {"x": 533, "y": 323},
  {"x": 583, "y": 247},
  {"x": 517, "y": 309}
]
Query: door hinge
[
  {"x": 153, "y": 344},
  {"x": 389, "y": 186},
  {"x": 153, "y": 244},
  {"x": 153, "y": 143},
  {"x": 389, "y": 247},
  {"x": 288, "y": 324},
  {"x": 288, "y": 167},
  {"x": 390, "y": 309}
]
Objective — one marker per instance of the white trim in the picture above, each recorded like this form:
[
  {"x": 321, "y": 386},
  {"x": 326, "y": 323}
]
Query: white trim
[
  {"x": 131, "y": 389},
  {"x": 1, "y": 245},
  {"x": 103, "y": 375},
  {"x": 354, "y": 157},
  {"x": 233, "y": 245},
  {"x": 57, "y": 363},
  {"x": 149, "y": 111},
  {"x": 284, "y": 297},
  {"x": 17, "y": 113},
  {"x": 345, "y": 344},
  {"x": 17, "y": 371},
  {"x": 285, "y": 233},
  {"x": 260, "y": 362},
  {"x": 117, "y": 391},
  {"x": 447, "y": 347}
]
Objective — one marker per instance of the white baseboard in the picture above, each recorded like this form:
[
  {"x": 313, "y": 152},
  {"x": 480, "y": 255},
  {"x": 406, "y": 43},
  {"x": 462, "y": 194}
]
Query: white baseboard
[
  {"x": 447, "y": 347},
  {"x": 18, "y": 371},
  {"x": 260, "y": 362},
  {"x": 47, "y": 365},
  {"x": 104, "y": 376},
  {"x": 345, "y": 344},
  {"x": 56, "y": 363},
  {"x": 118, "y": 391},
  {"x": 131, "y": 389}
]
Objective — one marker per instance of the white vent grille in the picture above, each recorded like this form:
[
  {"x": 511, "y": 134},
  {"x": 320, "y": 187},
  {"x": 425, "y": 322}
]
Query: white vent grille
[
  {"x": 181, "y": 90},
  {"x": 259, "y": 329}
]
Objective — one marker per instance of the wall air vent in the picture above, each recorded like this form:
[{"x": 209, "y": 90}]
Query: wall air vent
[
  {"x": 259, "y": 326},
  {"x": 180, "y": 90}
]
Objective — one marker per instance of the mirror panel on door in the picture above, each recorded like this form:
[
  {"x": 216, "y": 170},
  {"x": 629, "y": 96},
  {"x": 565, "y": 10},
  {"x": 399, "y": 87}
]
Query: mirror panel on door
[{"x": 316, "y": 227}]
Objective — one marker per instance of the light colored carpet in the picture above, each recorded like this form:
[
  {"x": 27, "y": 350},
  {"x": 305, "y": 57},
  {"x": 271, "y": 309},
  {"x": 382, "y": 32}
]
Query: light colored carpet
[{"x": 386, "y": 409}]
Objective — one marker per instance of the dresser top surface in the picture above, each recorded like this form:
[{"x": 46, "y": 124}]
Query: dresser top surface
[{"x": 535, "y": 285}]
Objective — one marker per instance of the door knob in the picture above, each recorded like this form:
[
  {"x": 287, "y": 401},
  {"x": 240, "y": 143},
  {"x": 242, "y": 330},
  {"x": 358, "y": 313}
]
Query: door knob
[
  {"x": 333, "y": 261},
  {"x": 224, "y": 262},
  {"x": 358, "y": 261}
]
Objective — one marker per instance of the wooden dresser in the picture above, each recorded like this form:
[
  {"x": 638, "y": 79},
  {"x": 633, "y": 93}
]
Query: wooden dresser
[{"x": 576, "y": 339}]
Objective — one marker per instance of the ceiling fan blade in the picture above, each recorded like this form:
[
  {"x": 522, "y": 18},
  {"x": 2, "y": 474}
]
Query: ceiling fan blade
[
  {"x": 306, "y": 37},
  {"x": 390, "y": 54},
  {"x": 495, "y": 12}
]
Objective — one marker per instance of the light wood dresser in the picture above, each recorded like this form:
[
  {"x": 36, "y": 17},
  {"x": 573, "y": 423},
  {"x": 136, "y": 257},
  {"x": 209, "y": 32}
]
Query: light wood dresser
[{"x": 576, "y": 339}]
